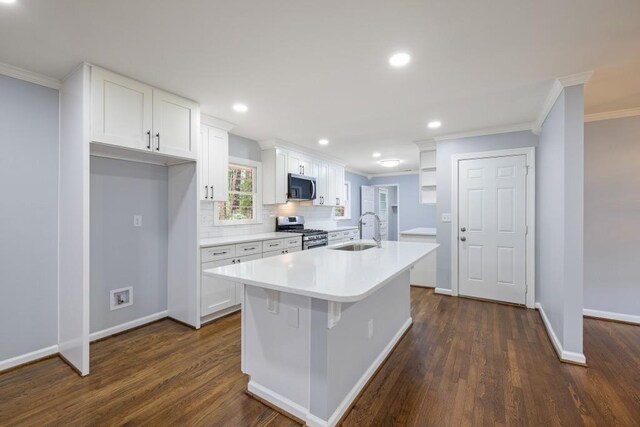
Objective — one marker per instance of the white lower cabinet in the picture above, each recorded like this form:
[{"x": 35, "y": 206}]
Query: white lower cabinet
[{"x": 423, "y": 273}]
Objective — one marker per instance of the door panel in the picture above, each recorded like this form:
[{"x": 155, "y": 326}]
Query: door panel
[
  {"x": 492, "y": 213},
  {"x": 203, "y": 163},
  {"x": 367, "y": 204},
  {"x": 219, "y": 164},
  {"x": 216, "y": 294},
  {"x": 174, "y": 125}
]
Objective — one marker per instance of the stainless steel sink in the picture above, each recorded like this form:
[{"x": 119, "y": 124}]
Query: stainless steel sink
[{"x": 354, "y": 247}]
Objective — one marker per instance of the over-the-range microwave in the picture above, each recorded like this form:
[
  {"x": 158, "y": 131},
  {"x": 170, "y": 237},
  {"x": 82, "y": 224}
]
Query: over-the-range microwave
[{"x": 301, "y": 187}]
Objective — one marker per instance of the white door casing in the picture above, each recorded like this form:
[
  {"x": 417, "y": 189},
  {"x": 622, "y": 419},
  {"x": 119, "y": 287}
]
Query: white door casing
[
  {"x": 493, "y": 201},
  {"x": 492, "y": 227}
]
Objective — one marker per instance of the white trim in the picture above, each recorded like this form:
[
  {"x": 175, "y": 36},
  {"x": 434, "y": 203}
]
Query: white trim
[
  {"x": 257, "y": 195},
  {"x": 426, "y": 144},
  {"x": 218, "y": 314},
  {"x": 608, "y": 115},
  {"x": 128, "y": 325},
  {"x": 28, "y": 357},
  {"x": 621, "y": 317},
  {"x": 565, "y": 356},
  {"x": 357, "y": 172},
  {"x": 556, "y": 89},
  {"x": 29, "y": 76},
  {"x": 444, "y": 291},
  {"x": 520, "y": 127},
  {"x": 278, "y": 143},
  {"x": 530, "y": 153},
  {"x": 216, "y": 122},
  {"x": 303, "y": 413},
  {"x": 400, "y": 173},
  {"x": 397, "y": 204}
]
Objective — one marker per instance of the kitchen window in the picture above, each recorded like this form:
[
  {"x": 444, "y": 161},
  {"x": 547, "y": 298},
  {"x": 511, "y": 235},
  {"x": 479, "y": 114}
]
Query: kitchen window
[
  {"x": 244, "y": 204},
  {"x": 344, "y": 211}
]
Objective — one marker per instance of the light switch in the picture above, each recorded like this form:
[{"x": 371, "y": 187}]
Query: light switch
[
  {"x": 137, "y": 220},
  {"x": 446, "y": 217}
]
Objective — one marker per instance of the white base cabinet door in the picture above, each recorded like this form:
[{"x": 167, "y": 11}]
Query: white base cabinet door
[{"x": 423, "y": 273}]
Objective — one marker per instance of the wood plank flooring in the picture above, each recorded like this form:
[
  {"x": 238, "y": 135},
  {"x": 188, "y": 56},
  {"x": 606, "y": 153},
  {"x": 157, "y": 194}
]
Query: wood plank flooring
[{"x": 463, "y": 362}]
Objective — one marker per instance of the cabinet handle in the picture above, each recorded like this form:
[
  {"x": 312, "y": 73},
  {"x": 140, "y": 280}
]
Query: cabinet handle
[
  {"x": 148, "y": 140},
  {"x": 219, "y": 253},
  {"x": 249, "y": 249},
  {"x": 337, "y": 201},
  {"x": 158, "y": 136},
  {"x": 302, "y": 169},
  {"x": 233, "y": 261},
  {"x": 206, "y": 188},
  {"x": 238, "y": 260}
]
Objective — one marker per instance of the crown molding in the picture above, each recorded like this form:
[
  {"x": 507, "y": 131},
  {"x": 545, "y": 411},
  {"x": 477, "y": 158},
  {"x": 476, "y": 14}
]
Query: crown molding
[
  {"x": 608, "y": 115},
  {"x": 357, "y": 172},
  {"x": 426, "y": 144},
  {"x": 216, "y": 122},
  {"x": 29, "y": 76},
  {"x": 486, "y": 131},
  {"x": 556, "y": 89},
  {"x": 279, "y": 143},
  {"x": 411, "y": 172}
]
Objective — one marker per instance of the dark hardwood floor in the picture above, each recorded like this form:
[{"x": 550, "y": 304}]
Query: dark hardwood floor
[{"x": 463, "y": 362}]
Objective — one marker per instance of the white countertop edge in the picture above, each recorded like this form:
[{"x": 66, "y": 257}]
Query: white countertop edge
[{"x": 420, "y": 231}]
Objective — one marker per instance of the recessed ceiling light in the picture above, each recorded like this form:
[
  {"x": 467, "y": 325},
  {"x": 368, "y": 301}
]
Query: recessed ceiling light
[
  {"x": 323, "y": 141},
  {"x": 240, "y": 108},
  {"x": 376, "y": 154},
  {"x": 399, "y": 59},
  {"x": 7, "y": 1},
  {"x": 389, "y": 163},
  {"x": 434, "y": 124}
]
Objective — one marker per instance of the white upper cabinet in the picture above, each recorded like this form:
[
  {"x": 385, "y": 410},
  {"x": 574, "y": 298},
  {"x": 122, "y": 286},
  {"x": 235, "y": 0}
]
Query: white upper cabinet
[
  {"x": 175, "y": 124},
  {"x": 320, "y": 171},
  {"x": 214, "y": 164},
  {"x": 121, "y": 110},
  {"x": 340, "y": 190},
  {"x": 274, "y": 176},
  {"x": 133, "y": 115},
  {"x": 299, "y": 164}
]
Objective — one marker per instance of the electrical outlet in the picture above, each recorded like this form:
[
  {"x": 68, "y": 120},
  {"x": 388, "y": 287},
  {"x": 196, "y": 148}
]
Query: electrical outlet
[
  {"x": 446, "y": 217},
  {"x": 121, "y": 298},
  {"x": 370, "y": 332},
  {"x": 137, "y": 220}
]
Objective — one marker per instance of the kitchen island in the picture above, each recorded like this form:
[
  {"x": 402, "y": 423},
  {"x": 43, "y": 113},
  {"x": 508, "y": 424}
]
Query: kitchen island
[{"x": 317, "y": 324}]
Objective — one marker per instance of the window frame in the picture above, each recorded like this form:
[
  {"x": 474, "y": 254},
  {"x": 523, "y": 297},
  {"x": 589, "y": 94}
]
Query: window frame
[
  {"x": 347, "y": 205},
  {"x": 257, "y": 195}
]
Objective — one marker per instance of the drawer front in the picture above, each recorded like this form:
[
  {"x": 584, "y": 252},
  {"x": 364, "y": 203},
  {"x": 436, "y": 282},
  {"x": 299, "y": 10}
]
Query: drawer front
[
  {"x": 217, "y": 253},
  {"x": 293, "y": 242},
  {"x": 346, "y": 233},
  {"x": 335, "y": 235},
  {"x": 250, "y": 248},
  {"x": 354, "y": 233},
  {"x": 272, "y": 245}
]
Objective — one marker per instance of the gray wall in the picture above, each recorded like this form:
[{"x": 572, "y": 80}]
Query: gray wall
[
  {"x": 28, "y": 217},
  {"x": 244, "y": 148},
  {"x": 412, "y": 213},
  {"x": 559, "y": 218},
  {"x": 123, "y": 255},
  {"x": 446, "y": 149},
  {"x": 612, "y": 214},
  {"x": 356, "y": 181}
]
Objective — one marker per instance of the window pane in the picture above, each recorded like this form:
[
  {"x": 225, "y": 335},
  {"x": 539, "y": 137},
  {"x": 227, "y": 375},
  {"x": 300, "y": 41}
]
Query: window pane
[
  {"x": 240, "y": 178},
  {"x": 339, "y": 211},
  {"x": 238, "y": 207}
]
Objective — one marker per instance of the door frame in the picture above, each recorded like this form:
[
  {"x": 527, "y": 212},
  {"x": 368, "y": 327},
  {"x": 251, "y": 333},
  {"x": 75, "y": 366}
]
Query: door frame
[
  {"x": 398, "y": 205},
  {"x": 530, "y": 247}
]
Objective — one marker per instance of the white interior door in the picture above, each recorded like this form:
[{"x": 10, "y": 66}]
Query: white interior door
[
  {"x": 367, "y": 204},
  {"x": 492, "y": 234}
]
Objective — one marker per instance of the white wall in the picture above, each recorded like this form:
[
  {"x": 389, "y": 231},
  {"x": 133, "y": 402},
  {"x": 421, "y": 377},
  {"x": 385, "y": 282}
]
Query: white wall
[
  {"x": 612, "y": 216},
  {"x": 559, "y": 222},
  {"x": 446, "y": 149},
  {"x": 28, "y": 217},
  {"x": 123, "y": 255}
]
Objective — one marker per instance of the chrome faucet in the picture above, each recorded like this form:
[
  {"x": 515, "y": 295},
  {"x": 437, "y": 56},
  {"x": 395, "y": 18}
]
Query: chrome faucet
[{"x": 378, "y": 237}]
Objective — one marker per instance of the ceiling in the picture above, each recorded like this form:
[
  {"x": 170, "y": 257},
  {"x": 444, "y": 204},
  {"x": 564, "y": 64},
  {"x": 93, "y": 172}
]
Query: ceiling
[{"x": 311, "y": 69}]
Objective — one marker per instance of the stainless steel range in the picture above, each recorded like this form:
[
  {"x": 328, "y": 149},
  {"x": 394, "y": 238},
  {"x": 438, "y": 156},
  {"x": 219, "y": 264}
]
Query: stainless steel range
[{"x": 311, "y": 238}]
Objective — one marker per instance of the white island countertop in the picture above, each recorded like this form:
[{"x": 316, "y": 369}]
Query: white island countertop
[
  {"x": 420, "y": 231},
  {"x": 328, "y": 274}
]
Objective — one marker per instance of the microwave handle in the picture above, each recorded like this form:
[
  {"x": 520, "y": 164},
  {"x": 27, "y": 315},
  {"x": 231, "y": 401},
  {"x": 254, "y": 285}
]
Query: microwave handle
[{"x": 313, "y": 186}]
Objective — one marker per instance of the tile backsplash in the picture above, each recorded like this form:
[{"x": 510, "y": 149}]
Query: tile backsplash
[{"x": 315, "y": 217}]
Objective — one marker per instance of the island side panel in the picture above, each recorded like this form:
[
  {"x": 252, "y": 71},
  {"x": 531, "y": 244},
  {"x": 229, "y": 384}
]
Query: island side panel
[
  {"x": 343, "y": 359},
  {"x": 277, "y": 348}
]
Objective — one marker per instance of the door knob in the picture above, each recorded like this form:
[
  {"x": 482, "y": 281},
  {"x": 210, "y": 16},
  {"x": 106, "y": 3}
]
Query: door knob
[
  {"x": 463, "y": 239},
  {"x": 463, "y": 229}
]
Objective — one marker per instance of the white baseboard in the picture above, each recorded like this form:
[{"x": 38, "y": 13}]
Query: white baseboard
[
  {"x": 443, "y": 291},
  {"x": 629, "y": 318},
  {"x": 219, "y": 314},
  {"x": 128, "y": 325},
  {"x": 29, "y": 357},
  {"x": 423, "y": 286},
  {"x": 565, "y": 356},
  {"x": 303, "y": 413}
]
